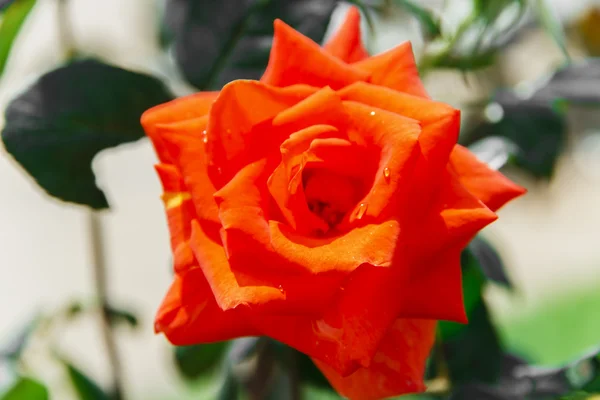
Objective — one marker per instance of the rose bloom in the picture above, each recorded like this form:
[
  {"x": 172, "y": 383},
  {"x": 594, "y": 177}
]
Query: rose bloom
[{"x": 324, "y": 206}]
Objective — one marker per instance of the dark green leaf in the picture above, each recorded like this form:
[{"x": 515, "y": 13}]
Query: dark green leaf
[
  {"x": 471, "y": 352},
  {"x": 552, "y": 25},
  {"x": 85, "y": 387},
  {"x": 576, "y": 83},
  {"x": 429, "y": 22},
  {"x": 24, "y": 389},
  {"x": 475, "y": 353},
  {"x": 581, "y": 396},
  {"x": 193, "y": 361},
  {"x": 119, "y": 315},
  {"x": 229, "y": 389},
  {"x": 55, "y": 128},
  {"x": 309, "y": 373},
  {"x": 538, "y": 131},
  {"x": 217, "y": 41},
  {"x": 489, "y": 261},
  {"x": 10, "y": 25}
]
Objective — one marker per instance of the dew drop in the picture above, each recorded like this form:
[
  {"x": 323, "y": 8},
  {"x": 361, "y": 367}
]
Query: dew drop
[
  {"x": 362, "y": 208},
  {"x": 219, "y": 170},
  {"x": 204, "y": 137},
  {"x": 386, "y": 174},
  {"x": 281, "y": 289},
  {"x": 372, "y": 112}
]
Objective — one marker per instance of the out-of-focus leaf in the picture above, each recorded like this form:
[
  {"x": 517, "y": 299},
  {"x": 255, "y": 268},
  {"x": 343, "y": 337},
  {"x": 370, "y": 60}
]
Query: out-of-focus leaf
[
  {"x": 23, "y": 389},
  {"x": 56, "y": 127},
  {"x": 119, "y": 315},
  {"x": 581, "y": 396},
  {"x": 495, "y": 151},
  {"x": 429, "y": 22},
  {"x": 474, "y": 354},
  {"x": 489, "y": 261},
  {"x": 230, "y": 388},
  {"x": 538, "y": 131},
  {"x": 491, "y": 10},
  {"x": 10, "y": 24},
  {"x": 193, "y": 361},
  {"x": 466, "y": 62},
  {"x": 577, "y": 83},
  {"x": 85, "y": 387},
  {"x": 218, "y": 41},
  {"x": 471, "y": 352},
  {"x": 309, "y": 373},
  {"x": 13, "y": 349},
  {"x": 552, "y": 25}
]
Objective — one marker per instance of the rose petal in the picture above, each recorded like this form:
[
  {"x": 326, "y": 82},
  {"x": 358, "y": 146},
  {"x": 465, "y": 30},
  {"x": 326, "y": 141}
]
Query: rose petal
[
  {"x": 396, "y": 139},
  {"x": 489, "y": 186},
  {"x": 397, "y": 367},
  {"x": 184, "y": 143},
  {"x": 396, "y": 69},
  {"x": 181, "y": 109},
  {"x": 346, "y": 43},
  {"x": 450, "y": 224},
  {"x": 296, "y": 59},
  {"x": 190, "y": 315},
  {"x": 232, "y": 140},
  {"x": 228, "y": 292}
]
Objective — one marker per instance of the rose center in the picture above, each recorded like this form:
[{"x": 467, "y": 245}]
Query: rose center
[{"x": 330, "y": 195}]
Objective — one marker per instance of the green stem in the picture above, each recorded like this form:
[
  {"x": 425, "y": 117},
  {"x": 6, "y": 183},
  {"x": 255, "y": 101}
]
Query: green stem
[{"x": 101, "y": 287}]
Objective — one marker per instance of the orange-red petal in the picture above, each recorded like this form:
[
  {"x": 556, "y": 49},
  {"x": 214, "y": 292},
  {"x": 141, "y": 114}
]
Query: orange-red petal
[
  {"x": 346, "y": 44},
  {"x": 395, "y": 69},
  {"x": 188, "y": 107},
  {"x": 397, "y": 367},
  {"x": 190, "y": 315},
  {"x": 295, "y": 59},
  {"x": 489, "y": 186}
]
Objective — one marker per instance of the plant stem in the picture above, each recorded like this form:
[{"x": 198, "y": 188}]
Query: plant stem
[{"x": 101, "y": 287}]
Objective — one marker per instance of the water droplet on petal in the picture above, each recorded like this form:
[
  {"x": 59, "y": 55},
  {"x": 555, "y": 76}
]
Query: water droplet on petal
[
  {"x": 386, "y": 174},
  {"x": 362, "y": 209},
  {"x": 372, "y": 112},
  {"x": 281, "y": 289},
  {"x": 219, "y": 170}
]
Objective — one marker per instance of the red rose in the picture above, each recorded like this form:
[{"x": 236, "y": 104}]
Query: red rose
[{"x": 325, "y": 206}]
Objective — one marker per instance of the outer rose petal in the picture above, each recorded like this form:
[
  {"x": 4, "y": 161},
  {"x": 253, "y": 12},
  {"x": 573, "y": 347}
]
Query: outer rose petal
[
  {"x": 489, "y": 186},
  {"x": 346, "y": 44},
  {"x": 189, "y": 313},
  {"x": 297, "y": 59},
  {"x": 396, "y": 69},
  {"x": 453, "y": 220},
  {"x": 397, "y": 367},
  {"x": 181, "y": 109}
]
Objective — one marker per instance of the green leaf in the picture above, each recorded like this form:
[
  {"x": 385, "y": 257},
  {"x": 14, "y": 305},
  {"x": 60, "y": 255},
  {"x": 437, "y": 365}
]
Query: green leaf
[
  {"x": 552, "y": 25},
  {"x": 537, "y": 130},
  {"x": 489, "y": 261},
  {"x": 217, "y": 42},
  {"x": 57, "y": 126},
  {"x": 193, "y": 361},
  {"x": 85, "y": 387},
  {"x": 475, "y": 353},
  {"x": 471, "y": 352},
  {"x": 119, "y": 316},
  {"x": 429, "y": 22},
  {"x": 24, "y": 389},
  {"x": 10, "y": 25}
]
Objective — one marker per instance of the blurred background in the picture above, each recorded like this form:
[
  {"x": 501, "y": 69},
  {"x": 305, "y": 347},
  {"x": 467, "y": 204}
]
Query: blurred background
[{"x": 522, "y": 72}]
